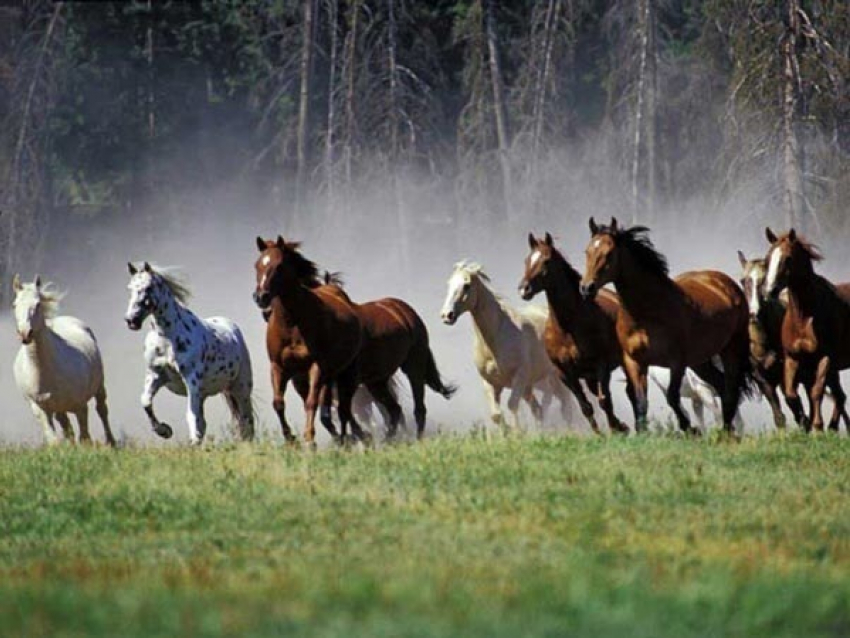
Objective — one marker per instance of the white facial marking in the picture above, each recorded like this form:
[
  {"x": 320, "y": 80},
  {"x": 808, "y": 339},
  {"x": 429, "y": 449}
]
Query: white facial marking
[
  {"x": 754, "y": 293},
  {"x": 597, "y": 243},
  {"x": 265, "y": 260},
  {"x": 772, "y": 269},
  {"x": 535, "y": 257}
]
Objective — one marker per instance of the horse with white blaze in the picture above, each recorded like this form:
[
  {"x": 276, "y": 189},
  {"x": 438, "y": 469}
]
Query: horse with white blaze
[
  {"x": 58, "y": 368},
  {"x": 193, "y": 357}
]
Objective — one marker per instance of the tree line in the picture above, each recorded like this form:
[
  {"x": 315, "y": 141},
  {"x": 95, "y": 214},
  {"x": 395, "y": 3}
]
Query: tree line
[{"x": 507, "y": 106}]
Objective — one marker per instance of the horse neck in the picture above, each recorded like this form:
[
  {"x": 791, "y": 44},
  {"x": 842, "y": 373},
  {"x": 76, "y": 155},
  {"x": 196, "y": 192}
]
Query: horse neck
[
  {"x": 172, "y": 319},
  {"x": 641, "y": 291},
  {"x": 487, "y": 314},
  {"x": 302, "y": 306},
  {"x": 42, "y": 350},
  {"x": 562, "y": 294},
  {"x": 803, "y": 285}
]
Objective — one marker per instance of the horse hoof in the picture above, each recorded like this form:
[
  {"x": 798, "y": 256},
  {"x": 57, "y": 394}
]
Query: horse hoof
[{"x": 164, "y": 430}]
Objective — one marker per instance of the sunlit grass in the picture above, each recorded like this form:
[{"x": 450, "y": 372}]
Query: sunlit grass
[{"x": 645, "y": 537}]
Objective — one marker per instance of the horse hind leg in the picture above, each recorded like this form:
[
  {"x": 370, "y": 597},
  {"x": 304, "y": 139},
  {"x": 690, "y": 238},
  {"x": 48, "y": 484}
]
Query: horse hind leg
[
  {"x": 65, "y": 424},
  {"x": 346, "y": 384},
  {"x": 381, "y": 393},
  {"x": 103, "y": 414},
  {"x": 603, "y": 393},
  {"x": 839, "y": 398},
  {"x": 241, "y": 411}
]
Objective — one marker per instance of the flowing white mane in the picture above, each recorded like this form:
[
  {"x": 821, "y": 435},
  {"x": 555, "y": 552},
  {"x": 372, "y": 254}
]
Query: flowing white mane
[
  {"x": 472, "y": 268},
  {"x": 173, "y": 280},
  {"x": 48, "y": 294}
]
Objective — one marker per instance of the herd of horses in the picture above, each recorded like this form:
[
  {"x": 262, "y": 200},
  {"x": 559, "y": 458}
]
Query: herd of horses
[{"x": 783, "y": 327}]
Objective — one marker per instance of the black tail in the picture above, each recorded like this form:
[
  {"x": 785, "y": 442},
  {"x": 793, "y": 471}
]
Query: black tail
[{"x": 435, "y": 382}]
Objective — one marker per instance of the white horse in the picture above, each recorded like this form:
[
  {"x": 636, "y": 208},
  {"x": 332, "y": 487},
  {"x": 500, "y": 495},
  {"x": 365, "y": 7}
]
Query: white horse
[
  {"x": 508, "y": 345},
  {"x": 191, "y": 356},
  {"x": 58, "y": 368}
]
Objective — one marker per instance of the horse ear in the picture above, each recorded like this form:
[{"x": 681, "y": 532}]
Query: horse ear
[
  {"x": 37, "y": 282},
  {"x": 792, "y": 235},
  {"x": 742, "y": 259},
  {"x": 532, "y": 242},
  {"x": 16, "y": 283},
  {"x": 614, "y": 225},
  {"x": 594, "y": 228},
  {"x": 548, "y": 240},
  {"x": 133, "y": 270},
  {"x": 261, "y": 244},
  {"x": 280, "y": 242},
  {"x": 771, "y": 237},
  {"x": 147, "y": 268}
]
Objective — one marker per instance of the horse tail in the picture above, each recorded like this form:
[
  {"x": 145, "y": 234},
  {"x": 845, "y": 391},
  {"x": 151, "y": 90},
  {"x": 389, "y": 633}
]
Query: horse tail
[{"x": 434, "y": 381}]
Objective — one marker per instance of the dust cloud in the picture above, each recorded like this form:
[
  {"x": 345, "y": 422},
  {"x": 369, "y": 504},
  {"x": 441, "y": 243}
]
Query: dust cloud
[{"x": 210, "y": 236}]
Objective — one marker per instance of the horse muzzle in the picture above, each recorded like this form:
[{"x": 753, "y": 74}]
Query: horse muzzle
[
  {"x": 588, "y": 291},
  {"x": 525, "y": 291},
  {"x": 25, "y": 336},
  {"x": 262, "y": 299},
  {"x": 449, "y": 318},
  {"x": 133, "y": 323}
]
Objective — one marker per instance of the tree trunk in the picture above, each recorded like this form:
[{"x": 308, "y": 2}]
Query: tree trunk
[
  {"x": 543, "y": 74},
  {"x": 644, "y": 114},
  {"x": 350, "y": 75},
  {"x": 792, "y": 173},
  {"x": 330, "y": 177},
  {"x": 306, "y": 72},
  {"x": 502, "y": 130}
]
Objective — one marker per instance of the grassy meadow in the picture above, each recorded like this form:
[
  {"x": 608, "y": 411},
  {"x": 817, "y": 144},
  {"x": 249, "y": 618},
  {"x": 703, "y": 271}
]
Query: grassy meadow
[{"x": 643, "y": 537}]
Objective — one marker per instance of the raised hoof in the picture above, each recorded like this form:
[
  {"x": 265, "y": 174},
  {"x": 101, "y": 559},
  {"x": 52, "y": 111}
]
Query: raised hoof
[{"x": 164, "y": 430}]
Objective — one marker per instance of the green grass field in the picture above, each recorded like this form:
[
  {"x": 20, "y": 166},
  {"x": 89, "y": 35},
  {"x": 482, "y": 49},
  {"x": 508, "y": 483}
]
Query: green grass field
[{"x": 458, "y": 536}]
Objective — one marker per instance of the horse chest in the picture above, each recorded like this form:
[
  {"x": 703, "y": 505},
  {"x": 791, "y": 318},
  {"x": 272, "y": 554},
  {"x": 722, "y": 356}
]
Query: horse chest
[{"x": 801, "y": 339}]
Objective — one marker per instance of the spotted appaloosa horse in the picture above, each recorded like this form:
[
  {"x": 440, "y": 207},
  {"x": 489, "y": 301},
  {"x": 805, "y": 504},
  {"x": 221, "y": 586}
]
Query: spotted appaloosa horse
[
  {"x": 672, "y": 323},
  {"x": 191, "y": 356},
  {"x": 815, "y": 329}
]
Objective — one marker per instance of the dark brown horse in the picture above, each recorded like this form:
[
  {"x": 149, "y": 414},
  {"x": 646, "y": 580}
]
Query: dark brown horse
[
  {"x": 671, "y": 323},
  {"x": 580, "y": 336},
  {"x": 329, "y": 325},
  {"x": 394, "y": 336},
  {"x": 766, "y": 316},
  {"x": 816, "y": 327}
]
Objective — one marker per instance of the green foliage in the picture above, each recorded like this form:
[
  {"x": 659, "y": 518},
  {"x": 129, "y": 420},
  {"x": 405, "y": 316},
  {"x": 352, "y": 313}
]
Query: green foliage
[{"x": 650, "y": 537}]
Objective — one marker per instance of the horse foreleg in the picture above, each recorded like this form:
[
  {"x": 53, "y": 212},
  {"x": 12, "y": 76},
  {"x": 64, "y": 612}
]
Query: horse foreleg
[
  {"x": 65, "y": 424},
  {"x": 312, "y": 402},
  {"x": 46, "y": 421},
  {"x": 494, "y": 398},
  {"x": 674, "y": 397},
  {"x": 838, "y": 397},
  {"x": 818, "y": 388},
  {"x": 636, "y": 374},
  {"x": 103, "y": 414},
  {"x": 574, "y": 384},
  {"x": 346, "y": 385},
  {"x": 792, "y": 398},
  {"x": 153, "y": 384},
  {"x": 83, "y": 422},
  {"x": 381, "y": 393},
  {"x": 603, "y": 392},
  {"x": 195, "y": 413},
  {"x": 279, "y": 381}
]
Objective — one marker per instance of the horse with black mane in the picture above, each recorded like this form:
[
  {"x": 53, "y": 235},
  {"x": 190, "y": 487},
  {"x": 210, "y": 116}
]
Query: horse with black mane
[{"x": 673, "y": 323}]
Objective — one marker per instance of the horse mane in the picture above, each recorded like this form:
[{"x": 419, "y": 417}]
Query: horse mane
[
  {"x": 49, "y": 296},
  {"x": 306, "y": 270},
  {"x": 810, "y": 249},
  {"x": 175, "y": 284},
  {"x": 333, "y": 278},
  {"x": 637, "y": 240},
  {"x": 472, "y": 268}
]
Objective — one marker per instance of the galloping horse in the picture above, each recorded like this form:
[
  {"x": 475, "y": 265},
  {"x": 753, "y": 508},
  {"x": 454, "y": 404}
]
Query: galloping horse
[
  {"x": 671, "y": 323},
  {"x": 766, "y": 315},
  {"x": 816, "y": 327},
  {"x": 507, "y": 344},
  {"x": 58, "y": 368},
  {"x": 580, "y": 336},
  {"x": 328, "y": 323},
  {"x": 190, "y": 356}
]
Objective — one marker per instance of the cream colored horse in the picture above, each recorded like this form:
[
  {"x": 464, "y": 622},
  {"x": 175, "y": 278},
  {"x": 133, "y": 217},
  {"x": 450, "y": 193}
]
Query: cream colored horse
[
  {"x": 58, "y": 368},
  {"x": 507, "y": 345}
]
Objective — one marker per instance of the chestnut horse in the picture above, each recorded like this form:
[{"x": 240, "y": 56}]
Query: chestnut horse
[
  {"x": 580, "y": 336},
  {"x": 394, "y": 336},
  {"x": 673, "y": 323},
  {"x": 766, "y": 315},
  {"x": 816, "y": 327},
  {"x": 328, "y": 323}
]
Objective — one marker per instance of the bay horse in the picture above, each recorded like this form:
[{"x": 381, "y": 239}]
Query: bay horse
[
  {"x": 673, "y": 323},
  {"x": 580, "y": 336},
  {"x": 392, "y": 335},
  {"x": 58, "y": 368},
  {"x": 193, "y": 357},
  {"x": 507, "y": 345},
  {"x": 815, "y": 329},
  {"x": 766, "y": 316}
]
